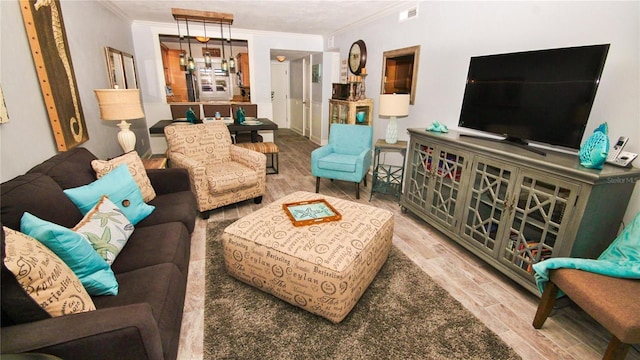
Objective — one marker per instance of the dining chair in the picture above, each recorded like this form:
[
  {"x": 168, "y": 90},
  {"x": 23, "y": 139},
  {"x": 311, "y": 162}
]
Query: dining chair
[
  {"x": 179, "y": 111},
  {"x": 250, "y": 110},
  {"x": 210, "y": 110}
]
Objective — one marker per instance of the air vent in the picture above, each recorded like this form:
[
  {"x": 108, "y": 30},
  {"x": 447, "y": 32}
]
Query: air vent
[{"x": 409, "y": 14}]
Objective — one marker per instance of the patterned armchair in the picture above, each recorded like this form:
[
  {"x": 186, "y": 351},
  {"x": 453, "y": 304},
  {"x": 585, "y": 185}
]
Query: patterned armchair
[{"x": 220, "y": 172}]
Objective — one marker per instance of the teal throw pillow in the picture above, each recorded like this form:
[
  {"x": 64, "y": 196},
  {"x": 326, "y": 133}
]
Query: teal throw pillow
[
  {"x": 121, "y": 189},
  {"x": 93, "y": 271}
]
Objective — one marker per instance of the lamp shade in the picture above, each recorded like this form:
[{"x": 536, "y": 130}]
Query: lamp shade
[
  {"x": 119, "y": 104},
  {"x": 394, "y": 105}
]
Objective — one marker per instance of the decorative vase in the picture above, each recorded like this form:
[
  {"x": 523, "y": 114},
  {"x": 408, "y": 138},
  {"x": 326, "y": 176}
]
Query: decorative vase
[
  {"x": 191, "y": 116},
  {"x": 240, "y": 116},
  {"x": 593, "y": 152}
]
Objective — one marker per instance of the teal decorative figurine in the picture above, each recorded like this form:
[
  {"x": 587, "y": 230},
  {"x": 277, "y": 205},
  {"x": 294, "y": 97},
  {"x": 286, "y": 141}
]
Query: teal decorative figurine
[
  {"x": 191, "y": 116},
  {"x": 240, "y": 115},
  {"x": 593, "y": 152}
]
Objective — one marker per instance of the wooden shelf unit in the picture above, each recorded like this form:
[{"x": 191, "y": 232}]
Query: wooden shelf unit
[{"x": 344, "y": 112}]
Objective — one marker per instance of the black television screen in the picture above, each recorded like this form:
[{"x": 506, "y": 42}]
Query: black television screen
[{"x": 543, "y": 96}]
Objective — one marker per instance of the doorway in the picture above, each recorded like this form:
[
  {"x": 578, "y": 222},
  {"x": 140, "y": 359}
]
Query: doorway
[{"x": 280, "y": 93}]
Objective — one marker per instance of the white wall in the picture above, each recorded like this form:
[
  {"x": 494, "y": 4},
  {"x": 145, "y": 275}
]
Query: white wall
[
  {"x": 27, "y": 139},
  {"x": 449, "y": 33}
]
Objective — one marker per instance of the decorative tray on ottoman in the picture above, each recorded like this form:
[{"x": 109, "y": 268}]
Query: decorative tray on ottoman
[{"x": 309, "y": 212}]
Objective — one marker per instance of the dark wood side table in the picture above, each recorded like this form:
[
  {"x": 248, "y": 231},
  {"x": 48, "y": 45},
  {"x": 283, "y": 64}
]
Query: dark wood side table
[{"x": 155, "y": 163}]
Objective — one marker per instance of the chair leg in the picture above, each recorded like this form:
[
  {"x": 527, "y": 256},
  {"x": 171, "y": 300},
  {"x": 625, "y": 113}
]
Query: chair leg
[
  {"x": 545, "y": 306},
  {"x": 617, "y": 350},
  {"x": 357, "y": 190},
  {"x": 317, "y": 184},
  {"x": 365, "y": 180}
]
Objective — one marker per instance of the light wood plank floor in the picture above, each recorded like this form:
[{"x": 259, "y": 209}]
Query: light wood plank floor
[{"x": 498, "y": 302}]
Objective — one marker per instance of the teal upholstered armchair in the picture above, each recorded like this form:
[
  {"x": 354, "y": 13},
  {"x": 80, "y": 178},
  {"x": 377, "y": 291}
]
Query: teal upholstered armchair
[{"x": 346, "y": 157}]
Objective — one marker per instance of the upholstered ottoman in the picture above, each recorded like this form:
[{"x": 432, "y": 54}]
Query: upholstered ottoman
[{"x": 323, "y": 268}]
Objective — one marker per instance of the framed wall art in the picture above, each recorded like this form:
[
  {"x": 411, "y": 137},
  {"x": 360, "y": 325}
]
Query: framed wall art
[
  {"x": 121, "y": 68},
  {"x": 400, "y": 71},
  {"x": 52, "y": 59}
]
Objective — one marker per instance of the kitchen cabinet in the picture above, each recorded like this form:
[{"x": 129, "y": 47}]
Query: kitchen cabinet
[
  {"x": 510, "y": 207},
  {"x": 174, "y": 76},
  {"x": 242, "y": 64}
]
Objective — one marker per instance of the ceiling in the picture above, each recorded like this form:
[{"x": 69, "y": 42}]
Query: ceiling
[{"x": 302, "y": 16}]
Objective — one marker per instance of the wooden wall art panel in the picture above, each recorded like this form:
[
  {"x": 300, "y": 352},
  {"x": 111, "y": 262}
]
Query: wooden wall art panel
[{"x": 52, "y": 59}]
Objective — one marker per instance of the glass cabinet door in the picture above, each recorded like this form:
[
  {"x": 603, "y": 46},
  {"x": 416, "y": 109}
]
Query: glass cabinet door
[
  {"x": 434, "y": 181},
  {"x": 446, "y": 172},
  {"x": 539, "y": 212},
  {"x": 419, "y": 178},
  {"x": 488, "y": 202}
]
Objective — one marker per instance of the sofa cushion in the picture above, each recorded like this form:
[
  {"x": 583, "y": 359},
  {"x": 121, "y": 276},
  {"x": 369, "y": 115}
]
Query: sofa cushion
[
  {"x": 121, "y": 189},
  {"x": 44, "y": 276},
  {"x": 106, "y": 228},
  {"x": 17, "y": 306},
  {"x": 230, "y": 177},
  {"x": 163, "y": 287},
  {"x": 338, "y": 162},
  {"x": 69, "y": 169},
  {"x": 136, "y": 168},
  {"x": 27, "y": 193},
  {"x": 94, "y": 273},
  {"x": 151, "y": 245},
  {"x": 177, "y": 206}
]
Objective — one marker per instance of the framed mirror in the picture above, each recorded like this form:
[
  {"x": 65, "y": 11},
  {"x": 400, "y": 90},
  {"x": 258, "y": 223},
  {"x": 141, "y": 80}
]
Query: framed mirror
[
  {"x": 400, "y": 71},
  {"x": 121, "y": 69}
]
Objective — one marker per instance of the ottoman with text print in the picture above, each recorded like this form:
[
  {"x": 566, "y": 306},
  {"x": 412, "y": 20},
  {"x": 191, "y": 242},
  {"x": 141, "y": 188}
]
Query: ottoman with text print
[{"x": 323, "y": 268}]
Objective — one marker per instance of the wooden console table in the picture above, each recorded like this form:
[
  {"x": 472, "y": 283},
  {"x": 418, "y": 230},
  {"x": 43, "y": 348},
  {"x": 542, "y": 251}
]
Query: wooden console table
[{"x": 510, "y": 207}]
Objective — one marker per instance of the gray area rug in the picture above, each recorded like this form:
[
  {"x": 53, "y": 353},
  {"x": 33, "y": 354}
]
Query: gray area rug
[{"x": 403, "y": 314}]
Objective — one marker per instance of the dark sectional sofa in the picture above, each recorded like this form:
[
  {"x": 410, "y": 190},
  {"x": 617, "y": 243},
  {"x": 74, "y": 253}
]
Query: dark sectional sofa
[{"x": 143, "y": 321}]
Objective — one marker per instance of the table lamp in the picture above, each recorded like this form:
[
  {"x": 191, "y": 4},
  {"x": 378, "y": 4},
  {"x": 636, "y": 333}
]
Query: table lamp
[
  {"x": 393, "y": 106},
  {"x": 121, "y": 105}
]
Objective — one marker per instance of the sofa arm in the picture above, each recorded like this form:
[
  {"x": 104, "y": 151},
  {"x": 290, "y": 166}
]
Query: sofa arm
[
  {"x": 166, "y": 181},
  {"x": 126, "y": 332}
]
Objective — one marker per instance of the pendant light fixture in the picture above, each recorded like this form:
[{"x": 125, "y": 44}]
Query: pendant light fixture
[
  {"x": 204, "y": 16},
  {"x": 191, "y": 65},
  {"x": 183, "y": 60},
  {"x": 224, "y": 65},
  {"x": 205, "y": 40},
  {"x": 232, "y": 61}
]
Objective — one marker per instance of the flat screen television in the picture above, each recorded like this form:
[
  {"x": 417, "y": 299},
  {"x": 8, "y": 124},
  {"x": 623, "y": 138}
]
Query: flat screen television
[{"x": 542, "y": 96}]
